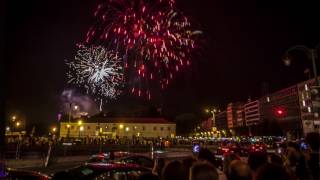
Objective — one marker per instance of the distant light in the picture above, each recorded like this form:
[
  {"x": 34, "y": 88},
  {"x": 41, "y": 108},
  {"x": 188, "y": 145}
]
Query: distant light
[
  {"x": 127, "y": 129},
  {"x": 68, "y": 125},
  {"x": 54, "y": 129},
  {"x": 268, "y": 99},
  {"x": 79, "y": 122},
  {"x": 76, "y": 107},
  {"x": 287, "y": 61},
  {"x": 18, "y": 124},
  {"x": 121, "y": 126},
  {"x": 303, "y": 103},
  {"x": 279, "y": 111},
  {"x": 14, "y": 118},
  {"x": 81, "y": 128},
  {"x": 7, "y": 128},
  {"x": 306, "y": 87},
  {"x": 309, "y": 109}
]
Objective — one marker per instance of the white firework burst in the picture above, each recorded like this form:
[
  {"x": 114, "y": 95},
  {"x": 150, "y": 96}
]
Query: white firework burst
[{"x": 98, "y": 70}]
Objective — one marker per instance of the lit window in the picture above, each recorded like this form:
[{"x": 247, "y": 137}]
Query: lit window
[
  {"x": 309, "y": 109},
  {"x": 268, "y": 99}
]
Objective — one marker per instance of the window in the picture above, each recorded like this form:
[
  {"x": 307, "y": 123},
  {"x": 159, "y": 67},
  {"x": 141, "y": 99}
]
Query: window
[
  {"x": 155, "y": 128},
  {"x": 143, "y": 128},
  {"x": 88, "y": 127},
  {"x": 169, "y": 128},
  {"x": 161, "y": 128},
  {"x": 72, "y": 127}
]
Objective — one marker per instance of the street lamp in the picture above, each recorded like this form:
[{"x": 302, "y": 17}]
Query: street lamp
[
  {"x": 213, "y": 111},
  {"x": 311, "y": 53}
]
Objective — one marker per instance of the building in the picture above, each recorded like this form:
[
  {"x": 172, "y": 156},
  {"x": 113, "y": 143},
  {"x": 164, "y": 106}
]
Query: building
[
  {"x": 221, "y": 120},
  {"x": 283, "y": 108},
  {"x": 118, "y": 127},
  {"x": 235, "y": 115},
  {"x": 252, "y": 113},
  {"x": 240, "y": 115},
  {"x": 206, "y": 125},
  {"x": 309, "y": 107}
]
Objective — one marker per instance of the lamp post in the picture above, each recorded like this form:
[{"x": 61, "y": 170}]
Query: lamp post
[
  {"x": 213, "y": 111},
  {"x": 312, "y": 55}
]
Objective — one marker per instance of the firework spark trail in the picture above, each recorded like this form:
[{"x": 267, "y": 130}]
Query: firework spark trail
[
  {"x": 98, "y": 70},
  {"x": 156, "y": 38}
]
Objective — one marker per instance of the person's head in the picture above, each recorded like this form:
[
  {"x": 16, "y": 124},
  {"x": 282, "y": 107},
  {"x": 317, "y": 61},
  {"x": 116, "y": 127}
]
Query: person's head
[
  {"x": 227, "y": 160},
  {"x": 257, "y": 159},
  {"x": 239, "y": 170},
  {"x": 206, "y": 155},
  {"x": 203, "y": 171},
  {"x": 172, "y": 170},
  {"x": 270, "y": 171},
  {"x": 276, "y": 159}
]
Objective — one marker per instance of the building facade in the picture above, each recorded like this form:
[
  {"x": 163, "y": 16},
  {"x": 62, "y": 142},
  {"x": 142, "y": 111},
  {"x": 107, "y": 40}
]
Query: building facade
[
  {"x": 252, "y": 113},
  {"x": 221, "y": 120},
  {"x": 118, "y": 127},
  {"x": 235, "y": 115},
  {"x": 309, "y": 107}
]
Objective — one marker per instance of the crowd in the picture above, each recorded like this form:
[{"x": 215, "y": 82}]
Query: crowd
[{"x": 292, "y": 164}]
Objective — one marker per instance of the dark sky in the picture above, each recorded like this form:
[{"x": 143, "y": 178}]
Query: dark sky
[{"x": 243, "y": 45}]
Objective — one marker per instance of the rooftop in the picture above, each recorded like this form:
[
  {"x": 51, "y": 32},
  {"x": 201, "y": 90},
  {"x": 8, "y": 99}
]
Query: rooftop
[{"x": 124, "y": 120}]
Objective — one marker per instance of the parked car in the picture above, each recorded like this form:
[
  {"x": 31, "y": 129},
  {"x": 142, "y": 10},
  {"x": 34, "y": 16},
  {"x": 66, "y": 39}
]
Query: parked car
[
  {"x": 106, "y": 171},
  {"x": 143, "y": 161},
  {"x": 17, "y": 174}
]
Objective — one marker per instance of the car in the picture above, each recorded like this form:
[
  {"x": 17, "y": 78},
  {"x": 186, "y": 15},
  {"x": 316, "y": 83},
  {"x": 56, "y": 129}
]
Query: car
[
  {"x": 97, "y": 171},
  {"x": 103, "y": 157},
  {"x": 17, "y": 174},
  {"x": 258, "y": 148},
  {"x": 143, "y": 161},
  {"x": 107, "y": 156}
]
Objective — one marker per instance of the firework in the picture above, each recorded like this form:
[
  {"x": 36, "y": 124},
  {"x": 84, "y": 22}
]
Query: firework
[
  {"x": 156, "y": 38},
  {"x": 98, "y": 70}
]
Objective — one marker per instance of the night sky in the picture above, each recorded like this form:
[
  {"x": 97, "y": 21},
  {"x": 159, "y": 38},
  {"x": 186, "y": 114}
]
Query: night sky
[{"x": 242, "y": 46}]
